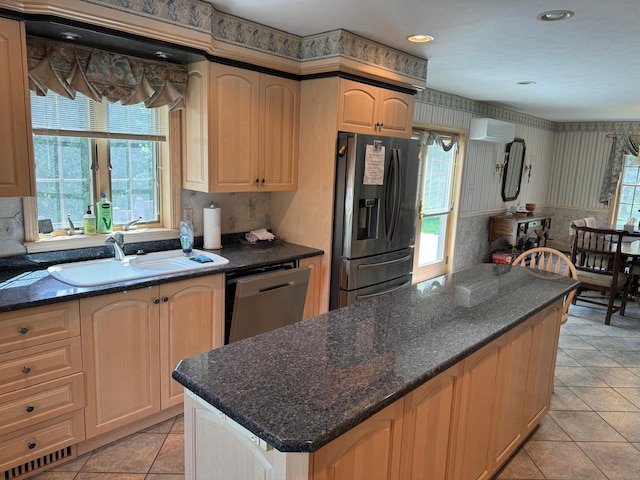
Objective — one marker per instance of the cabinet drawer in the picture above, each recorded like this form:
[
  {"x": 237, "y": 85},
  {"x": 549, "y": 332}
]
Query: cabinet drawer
[
  {"x": 30, "y": 366},
  {"x": 500, "y": 228},
  {"x": 38, "y": 325},
  {"x": 40, "y": 439},
  {"x": 41, "y": 402}
]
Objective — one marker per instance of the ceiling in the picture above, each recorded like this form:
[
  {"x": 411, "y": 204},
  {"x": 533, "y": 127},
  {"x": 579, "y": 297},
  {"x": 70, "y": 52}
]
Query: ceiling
[{"x": 586, "y": 68}]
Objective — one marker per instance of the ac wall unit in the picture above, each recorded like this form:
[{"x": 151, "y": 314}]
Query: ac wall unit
[{"x": 491, "y": 130}]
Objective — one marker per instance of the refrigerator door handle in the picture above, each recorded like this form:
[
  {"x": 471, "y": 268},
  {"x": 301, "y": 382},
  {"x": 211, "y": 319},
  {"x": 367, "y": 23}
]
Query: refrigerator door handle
[
  {"x": 398, "y": 199},
  {"x": 382, "y": 264},
  {"x": 372, "y": 295},
  {"x": 393, "y": 200}
]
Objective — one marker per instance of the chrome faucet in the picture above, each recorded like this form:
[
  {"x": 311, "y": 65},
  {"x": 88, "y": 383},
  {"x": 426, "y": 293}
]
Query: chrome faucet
[
  {"x": 117, "y": 239},
  {"x": 132, "y": 224}
]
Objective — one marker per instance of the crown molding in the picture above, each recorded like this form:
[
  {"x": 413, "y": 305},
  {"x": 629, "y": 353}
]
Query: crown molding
[
  {"x": 356, "y": 53},
  {"x": 197, "y": 24}
]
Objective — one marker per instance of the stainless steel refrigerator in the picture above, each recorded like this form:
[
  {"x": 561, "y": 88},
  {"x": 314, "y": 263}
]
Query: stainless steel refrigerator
[{"x": 374, "y": 221}]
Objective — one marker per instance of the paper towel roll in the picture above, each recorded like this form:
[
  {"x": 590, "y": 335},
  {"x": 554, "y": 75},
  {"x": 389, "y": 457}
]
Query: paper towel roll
[{"x": 212, "y": 228}]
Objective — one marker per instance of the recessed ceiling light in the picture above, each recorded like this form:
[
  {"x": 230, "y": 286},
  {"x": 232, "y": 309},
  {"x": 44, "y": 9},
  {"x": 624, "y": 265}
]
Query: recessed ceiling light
[
  {"x": 420, "y": 38},
  {"x": 70, "y": 36},
  {"x": 527, "y": 82},
  {"x": 555, "y": 15},
  {"x": 161, "y": 54}
]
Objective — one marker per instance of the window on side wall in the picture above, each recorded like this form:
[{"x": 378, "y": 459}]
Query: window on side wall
[
  {"x": 83, "y": 148},
  {"x": 628, "y": 198}
]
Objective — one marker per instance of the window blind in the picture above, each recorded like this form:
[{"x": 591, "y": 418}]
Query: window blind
[{"x": 82, "y": 117}]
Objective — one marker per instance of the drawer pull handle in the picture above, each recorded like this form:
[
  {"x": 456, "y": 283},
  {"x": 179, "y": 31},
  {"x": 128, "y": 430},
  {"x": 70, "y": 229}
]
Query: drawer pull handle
[
  {"x": 30, "y": 408},
  {"x": 26, "y": 370},
  {"x": 31, "y": 445},
  {"x": 23, "y": 330}
]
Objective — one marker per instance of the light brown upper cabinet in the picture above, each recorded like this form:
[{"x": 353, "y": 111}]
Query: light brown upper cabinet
[
  {"x": 373, "y": 110},
  {"x": 16, "y": 155},
  {"x": 241, "y": 130}
]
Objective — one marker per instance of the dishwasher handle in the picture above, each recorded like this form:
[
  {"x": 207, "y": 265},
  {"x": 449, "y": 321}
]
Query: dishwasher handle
[{"x": 275, "y": 287}]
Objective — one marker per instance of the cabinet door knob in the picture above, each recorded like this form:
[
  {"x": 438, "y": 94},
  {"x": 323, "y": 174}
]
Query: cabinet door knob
[
  {"x": 23, "y": 330},
  {"x": 165, "y": 299},
  {"x": 31, "y": 445},
  {"x": 26, "y": 370},
  {"x": 262, "y": 180},
  {"x": 156, "y": 301},
  {"x": 30, "y": 408},
  {"x": 257, "y": 180}
]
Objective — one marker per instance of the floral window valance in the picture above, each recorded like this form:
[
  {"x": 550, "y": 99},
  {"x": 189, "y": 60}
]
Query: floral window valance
[{"x": 66, "y": 68}]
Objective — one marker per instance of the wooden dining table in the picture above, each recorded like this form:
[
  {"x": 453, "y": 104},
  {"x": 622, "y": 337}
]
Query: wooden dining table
[
  {"x": 630, "y": 248},
  {"x": 630, "y": 245}
]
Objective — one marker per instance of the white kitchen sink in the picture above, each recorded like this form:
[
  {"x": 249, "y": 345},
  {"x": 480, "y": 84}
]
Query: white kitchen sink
[{"x": 109, "y": 270}]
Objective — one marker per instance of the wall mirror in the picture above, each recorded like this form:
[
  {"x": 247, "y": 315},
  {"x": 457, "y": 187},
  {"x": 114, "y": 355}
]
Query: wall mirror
[{"x": 512, "y": 175}]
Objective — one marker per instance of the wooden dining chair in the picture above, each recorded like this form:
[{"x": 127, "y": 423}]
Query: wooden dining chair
[
  {"x": 600, "y": 263},
  {"x": 585, "y": 222},
  {"x": 550, "y": 260}
]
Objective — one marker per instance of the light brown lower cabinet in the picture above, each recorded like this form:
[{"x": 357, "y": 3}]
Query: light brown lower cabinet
[
  {"x": 132, "y": 341},
  {"x": 370, "y": 450},
  {"x": 312, "y": 302},
  {"x": 463, "y": 424},
  {"x": 428, "y": 436},
  {"x": 52, "y": 436},
  {"x": 41, "y": 387}
]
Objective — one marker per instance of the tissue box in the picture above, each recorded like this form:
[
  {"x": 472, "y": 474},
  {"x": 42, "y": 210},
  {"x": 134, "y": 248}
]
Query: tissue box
[{"x": 473, "y": 293}]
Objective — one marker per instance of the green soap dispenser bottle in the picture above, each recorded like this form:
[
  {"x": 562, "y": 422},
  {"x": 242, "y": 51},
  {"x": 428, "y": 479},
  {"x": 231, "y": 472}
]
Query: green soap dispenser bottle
[
  {"x": 89, "y": 222},
  {"x": 103, "y": 215}
]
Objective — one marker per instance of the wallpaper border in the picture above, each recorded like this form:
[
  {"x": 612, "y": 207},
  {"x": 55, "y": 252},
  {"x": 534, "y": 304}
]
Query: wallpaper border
[{"x": 610, "y": 127}]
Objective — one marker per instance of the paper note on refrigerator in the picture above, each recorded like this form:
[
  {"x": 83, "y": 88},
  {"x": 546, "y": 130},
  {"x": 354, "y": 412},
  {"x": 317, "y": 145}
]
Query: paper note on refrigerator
[{"x": 374, "y": 165}]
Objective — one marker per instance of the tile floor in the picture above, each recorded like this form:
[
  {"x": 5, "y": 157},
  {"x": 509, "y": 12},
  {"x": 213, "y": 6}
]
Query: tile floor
[
  {"x": 591, "y": 432},
  {"x": 156, "y": 453}
]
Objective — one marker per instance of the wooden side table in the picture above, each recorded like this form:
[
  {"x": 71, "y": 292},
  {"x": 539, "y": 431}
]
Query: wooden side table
[{"x": 512, "y": 228}]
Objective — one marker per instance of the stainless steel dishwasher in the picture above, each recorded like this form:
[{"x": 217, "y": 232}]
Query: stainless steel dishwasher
[{"x": 267, "y": 301}]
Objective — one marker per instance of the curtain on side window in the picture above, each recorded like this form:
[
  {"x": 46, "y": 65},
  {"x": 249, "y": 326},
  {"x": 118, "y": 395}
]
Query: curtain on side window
[
  {"x": 436, "y": 199},
  {"x": 622, "y": 145},
  {"x": 66, "y": 68}
]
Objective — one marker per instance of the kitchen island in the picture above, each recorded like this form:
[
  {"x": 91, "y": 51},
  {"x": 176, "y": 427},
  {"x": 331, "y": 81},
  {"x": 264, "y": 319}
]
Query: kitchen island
[{"x": 442, "y": 380}]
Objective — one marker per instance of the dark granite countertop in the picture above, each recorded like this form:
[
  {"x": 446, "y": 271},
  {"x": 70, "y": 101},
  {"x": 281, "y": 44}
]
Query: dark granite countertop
[
  {"x": 303, "y": 385},
  {"x": 24, "y": 281}
]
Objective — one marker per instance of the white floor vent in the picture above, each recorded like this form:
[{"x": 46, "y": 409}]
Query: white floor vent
[{"x": 32, "y": 466}]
